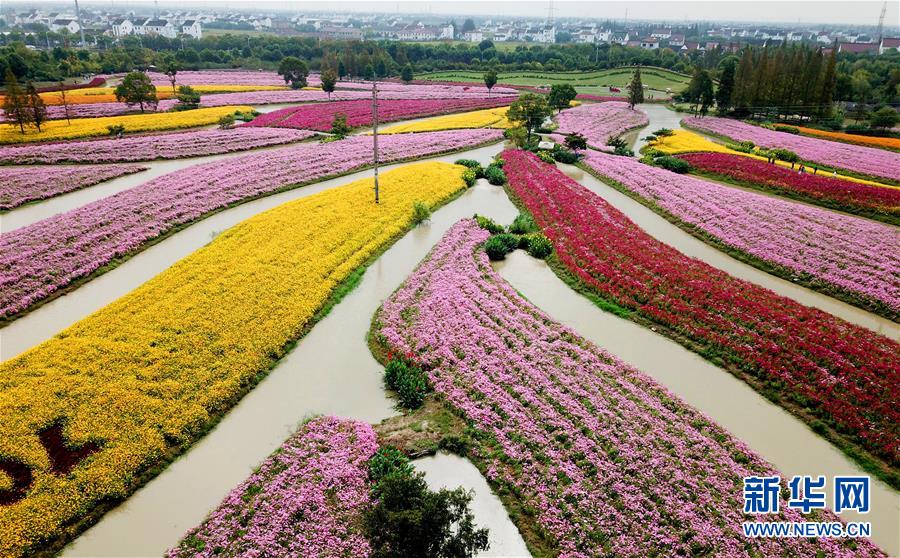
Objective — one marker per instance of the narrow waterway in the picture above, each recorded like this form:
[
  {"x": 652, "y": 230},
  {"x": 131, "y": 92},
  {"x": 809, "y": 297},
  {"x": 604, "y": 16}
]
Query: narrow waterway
[
  {"x": 58, "y": 314},
  {"x": 330, "y": 371},
  {"x": 773, "y": 433},
  {"x": 665, "y": 231},
  {"x": 446, "y": 470}
]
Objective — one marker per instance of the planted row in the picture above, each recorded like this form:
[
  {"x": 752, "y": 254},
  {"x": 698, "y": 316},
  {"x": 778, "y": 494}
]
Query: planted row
[
  {"x": 152, "y": 371},
  {"x": 597, "y": 458},
  {"x": 839, "y": 377},
  {"x": 22, "y": 185},
  {"x": 38, "y": 260},
  {"x": 599, "y": 122}
]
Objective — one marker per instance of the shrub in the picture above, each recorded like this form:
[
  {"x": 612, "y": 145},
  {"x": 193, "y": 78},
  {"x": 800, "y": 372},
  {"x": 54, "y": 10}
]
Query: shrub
[
  {"x": 226, "y": 122},
  {"x": 538, "y": 245},
  {"x": 488, "y": 224},
  {"x": 545, "y": 156},
  {"x": 788, "y": 129},
  {"x": 499, "y": 245},
  {"x": 523, "y": 224},
  {"x": 673, "y": 164},
  {"x": 339, "y": 126},
  {"x": 576, "y": 141},
  {"x": 388, "y": 460},
  {"x": 565, "y": 156},
  {"x": 408, "y": 380},
  {"x": 471, "y": 163},
  {"x": 469, "y": 176},
  {"x": 116, "y": 129},
  {"x": 421, "y": 212},
  {"x": 495, "y": 175}
]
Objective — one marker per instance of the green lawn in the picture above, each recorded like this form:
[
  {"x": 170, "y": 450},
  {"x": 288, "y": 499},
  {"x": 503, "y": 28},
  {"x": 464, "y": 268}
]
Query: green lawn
[{"x": 597, "y": 82}]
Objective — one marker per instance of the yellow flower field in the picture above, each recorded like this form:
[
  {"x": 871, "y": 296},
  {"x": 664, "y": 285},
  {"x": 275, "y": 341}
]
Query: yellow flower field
[
  {"x": 90, "y": 127},
  {"x": 685, "y": 141},
  {"x": 107, "y": 94},
  {"x": 150, "y": 371},
  {"x": 486, "y": 118}
]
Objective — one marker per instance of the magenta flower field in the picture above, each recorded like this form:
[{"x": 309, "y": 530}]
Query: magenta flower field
[
  {"x": 306, "y": 499},
  {"x": 359, "y": 113},
  {"x": 865, "y": 160},
  {"x": 173, "y": 145},
  {"x": 598, "y": 122},
  {"x": 605, "y": 461},
  {"x": 22, "y": 185},
  {"x": 39, "y": 259},
  {"x": 834, "y": 252}
]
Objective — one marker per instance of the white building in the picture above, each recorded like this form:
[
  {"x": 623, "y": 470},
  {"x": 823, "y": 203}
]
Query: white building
[
  {"x": 159, "y": 27},
  {"x": 192, "y": 27},
  {"x": 122, "y": 27},
  {"x": 650, "y": 43},
  {"x": 58, "y": 25},
  {"x": 473, "y": 36}
]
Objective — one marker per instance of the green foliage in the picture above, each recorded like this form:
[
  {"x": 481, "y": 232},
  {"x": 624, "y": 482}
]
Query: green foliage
[
  {"x": 294, "y": 71},
  {"x": 470, "y": 176},
  {"x": 620, "y": 147},
  {"x": 488, "y": 224},
  {"x": 523, "y": 224},
  {"x": 36, "y": 106},
  {"x": 473, "y": 166},
  {"x": 575, "y": 141},
  {"x": 674, "y": 164},
  {"x": 406, "y": 74},
  {"x": 408, "y": 380},
  {"x": 490, "y": 79},
  {"x": 116, "y": 130},
  {"x": 226, "y": 122},
  {"x": 329, "y": 80},
  {"x": 495, "y": 175},
  {"x": 421, "y": 212},
  {"x": 635, "y": 89},
  {"x": 518, "y": 135},
  {"x": 529, "y": 111},
  {"x": 537, "y": 245},
  {"x": 188, "y": 98},
  {"x": 15, "y": 103},
  {"x": 136, "y": 89},
  {"x": 885, "y": 117},
  {"x": 386, "y": 461},
  {"x": 564, "y": 156},
  {"x": 545, "y": 156},
  {"x": 499, "y": 245},
  {"x": 561, "y": 94},
  {"x": 787, "y": 129},
  {"x": 700, "y": 91},
  {"x": 339, "y": 126}
]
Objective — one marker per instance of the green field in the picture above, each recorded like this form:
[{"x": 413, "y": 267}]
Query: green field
[{"x": 596, "y": 83}]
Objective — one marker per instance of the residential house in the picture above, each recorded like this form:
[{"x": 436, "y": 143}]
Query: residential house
[
  {"x": 860, "y": 48},
  {"x": 473, "y": 36},
  {"x": 649, "y": 43},
  {"x": 192, "y": 27},
  {"x": 122, "y": 27},
  {"x": 887, "y": 44},
  {"x": 676, "y": 41},
  {"x": 59, "y": 24},
  {"x": 159, "y": 27}
]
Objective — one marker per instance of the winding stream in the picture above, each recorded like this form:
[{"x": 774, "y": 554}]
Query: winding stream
[
  {"x": 330, "y": 371},
  {"x": 770, "y": 431}
]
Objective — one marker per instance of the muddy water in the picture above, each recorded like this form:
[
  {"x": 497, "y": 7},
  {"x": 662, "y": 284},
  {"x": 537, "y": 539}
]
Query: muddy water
[
  {"x": 770, "y": 431},
  {"x": 330, "y": 371},
  {"x": 62, "y": 312},
  {"x": 666, "y": 232},
  {"x": 446, "y": 470}
]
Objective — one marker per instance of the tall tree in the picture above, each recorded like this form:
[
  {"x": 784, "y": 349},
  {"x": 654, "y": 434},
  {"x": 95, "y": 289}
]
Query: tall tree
[
  {"x": 294, "y": 71},
  {"x": 529, "y": 110},
  {"x": 136, "y": 89},
  {"x": 468, "y": 25},
  {"x": 635, "y": 89},
  {"x": 561, "y": 94},
  {"x": 726, "y": 86},
  {"x": 743, "y": 81},
  {"x": 490, "y": 79},
  {"x": 36, "y": 106},
  {"x": 64, "y": 101},
  {"x": 15, "y": 102},
  {"x": 329, "y": 80},
  {"x": 171, "y": 69},
  {"x": 406, "y": 74},
  {"x": 827, "y": 85},
  {"x": 707, "y": 97}
]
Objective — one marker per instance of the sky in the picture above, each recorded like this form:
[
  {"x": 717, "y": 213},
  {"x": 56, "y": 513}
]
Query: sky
[{"x": 862, "y": 12}]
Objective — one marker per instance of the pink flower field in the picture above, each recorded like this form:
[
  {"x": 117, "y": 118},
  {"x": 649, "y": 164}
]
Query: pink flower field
[
  {"x": 870, "y": 161},
  {"x": 602, "y": 459},
  {"x": 22, "y": 185},
  {"x": 598, "y": 122},
  {"x": 175, "y": 145},
  {"x": 835, "y": 253}
]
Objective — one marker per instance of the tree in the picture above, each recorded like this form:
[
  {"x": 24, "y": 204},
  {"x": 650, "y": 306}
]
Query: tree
[
  {"x": 530, "y": 110},
  {"x": 406, "y": 74},
  {"x": 468, "y": 25},
  {"x": 726, "y": 86},
  {"x": 136, "y": 89},
  {"x": 329, "y": 79},
  {"x": 15, "y": 102},
  {"x": 885, "y": 117},
  {"x": 342, "y": 69},
  {"x": 490, "y": 79},
  {"x": 662, "y": 134},
  {"x": 707, "y": 97},
  {"x": 171, "y": 69},
  {"x": 188, "y": 98},
  {"x": 226, "y": 122},
  {"x": 369, "y": 73},
  {"x": 339, "y": 126},
  {"x": 294, "y": 71},
  {"x": 485, "y": 44},
  {"x": 635, "y": 89},
  {"x": 576, "y": 141},
  {"x": 561, "y": 94},
  {"x": 380, "y": 68},
  {"x": 36, "y": 106}
]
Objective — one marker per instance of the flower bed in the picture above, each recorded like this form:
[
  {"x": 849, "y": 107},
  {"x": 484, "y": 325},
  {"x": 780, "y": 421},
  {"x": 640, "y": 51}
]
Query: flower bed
[
  {"x": 601, "y": 458},
  {"x": 821, "y": 189},
  {"x": 359, "y": 113},
  {"x": 852, "y": 258},
  {"x": 864, "y": 160},
  {"x": 803, "y": 358},
  {"x": 92, "y": 127},
  {"x": 306, "y": 499},
  {"x": 38, "y": 260},
  {"x": 107, "y": 94},
  {"x": 598, "y": 122},
  {"x": 22, "y": 185},
  {"x": 152, "y": 371},
  {"x": 145, "y": 148},
  {"x": 487, "y": 118},
  {"x": 859, "y": 139},
  {"x": 218, "y": 77}
]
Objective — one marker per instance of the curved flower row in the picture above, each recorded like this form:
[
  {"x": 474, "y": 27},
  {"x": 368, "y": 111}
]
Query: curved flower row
[
  {"x": 851, "y": 256},
  {"x": 218, "y": 77},
  {"x": 92, "y": 127},
  {"x": 487, "y": 118},
  {"x": 146, "y": 148},
  {"x": 865, "y": 160},
  {"x": 306, "y": 499},
  {"x": 107, "y": 94},
  {"x": 598, "y": 122},
  {"x": 359, "y": 113},
  {"x": 845, "y": 375},
  {"x": 870, "y": 141},
  {"x": 38, "y": 260},
  {"x": 153, "y": 370},
  {"x": 22, "y": 185},
  {"x": 821, "y": 189},
  {"x": 606, "y": 461}
]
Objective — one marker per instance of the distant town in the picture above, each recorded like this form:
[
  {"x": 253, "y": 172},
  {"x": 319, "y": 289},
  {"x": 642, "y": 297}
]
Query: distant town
[{"x": 96, "y": 26}]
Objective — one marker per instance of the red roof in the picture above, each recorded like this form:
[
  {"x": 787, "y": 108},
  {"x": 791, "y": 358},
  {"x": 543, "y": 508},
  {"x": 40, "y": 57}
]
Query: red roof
[
  {"x": 890, "y": 42},
  {"x": 858, "y": 47}
]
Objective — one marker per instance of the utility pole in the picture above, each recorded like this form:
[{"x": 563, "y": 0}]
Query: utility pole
[
  {"x": 881, "y": 22},
  {"x": 80, "y": 26},
  {"x": 375, "y": 132}
]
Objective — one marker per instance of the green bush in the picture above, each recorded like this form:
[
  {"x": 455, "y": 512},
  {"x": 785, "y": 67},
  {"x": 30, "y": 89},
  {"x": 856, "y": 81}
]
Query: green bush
[
  {"x": 788, "y": 129},
  {"x": 489, "y": 225},
  {"x": 523, "y": 224},
  {"x": 495, "y": 175},
  {"x": 471, "y": 163},
  {"x": 538, "y": 245},
  {"x": 408, "y": 380},
  {"x": 469, "y": 176},
  {"x": 674, "y": 164},
  {"x": 388, "y": 460},
  {"x": 499, "y": 245},
  {"x": 545, "y": 156},
  {"x": 421, "y": 212},
  {"x": 565, "y": 156}
]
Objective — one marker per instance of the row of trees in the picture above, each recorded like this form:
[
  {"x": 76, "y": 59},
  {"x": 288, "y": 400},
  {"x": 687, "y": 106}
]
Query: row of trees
[{"x": 23, "y": 107}]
